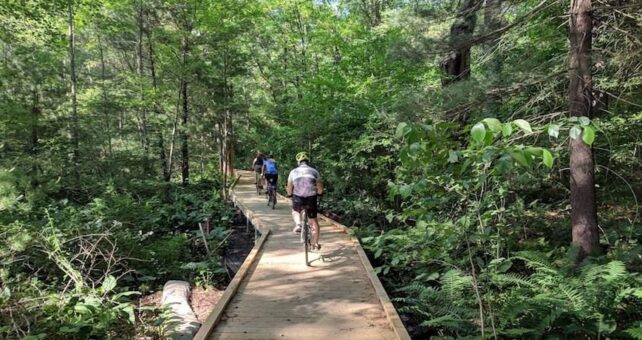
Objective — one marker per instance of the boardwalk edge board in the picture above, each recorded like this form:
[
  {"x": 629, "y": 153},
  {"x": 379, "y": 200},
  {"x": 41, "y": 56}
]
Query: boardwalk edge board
[{"x": 231, "y": 290}]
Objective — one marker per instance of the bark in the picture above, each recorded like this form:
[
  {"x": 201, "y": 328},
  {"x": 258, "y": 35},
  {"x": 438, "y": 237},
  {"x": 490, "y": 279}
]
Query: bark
[
  {"x": 162, "y": 157},
  {"x": 142, "y": 123},
  {"x": 75, "y": 128},
  {"x": 103, "y": 76},
  {"x": 457, "y": 65},
  {"x": 493, "y": 23},
  {"x": 184, "y": 132},
  {"x": 35, "y": 147},
  {"x": 170, "y": 159},
  {"x": 583, "y": 207},
  {"x": 372, "y": 11},
  {"x": 227, "y": 132}
]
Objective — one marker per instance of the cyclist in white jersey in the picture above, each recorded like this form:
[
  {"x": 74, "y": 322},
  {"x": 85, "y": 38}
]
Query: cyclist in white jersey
[{"x": 304, "y": 185}]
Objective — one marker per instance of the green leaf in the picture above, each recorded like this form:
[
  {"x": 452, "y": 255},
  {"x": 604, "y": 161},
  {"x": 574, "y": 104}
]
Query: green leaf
[
  {"x": 493, "y": 124},
  {"x": 452, "y": 156},
  {"x": 401, "y": 129},
  {"x": 547, "y": 158},
  {"x": 524, "y": 125},
  {"x": 520, "y": 157},
  {"x": 130, "y": 313},
  {"x": 589, "y": 135},
  {"x": 82, "y": 309},
  {"x": 554, "y": 130},
  {"x": 575, "y": 132},
  {"x": 584, "y": 121},
  {"x": 478, "y": 132},
  {"x": 378, "y": 253},
  {"x": 507, "y": 130},
  {"x": 109, "y": 284}
]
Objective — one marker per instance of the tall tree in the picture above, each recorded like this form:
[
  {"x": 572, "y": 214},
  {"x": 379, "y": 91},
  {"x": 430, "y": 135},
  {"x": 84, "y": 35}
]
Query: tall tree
[
  {"x": 142, "y": 118},
  {"x": 185, "y": 48},
  {"x": 583, "y": 208},
  {"x": 456, "y": 65},
  {"x": 492, "y": 24},
  {"x": 75, "y": 125}
]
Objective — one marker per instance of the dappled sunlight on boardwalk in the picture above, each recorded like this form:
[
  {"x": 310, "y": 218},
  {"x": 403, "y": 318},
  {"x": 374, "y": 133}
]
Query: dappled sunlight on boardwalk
[{"x": 282, "y": 298}]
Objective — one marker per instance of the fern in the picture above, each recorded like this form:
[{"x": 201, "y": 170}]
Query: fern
[{"x": 635, "y": 332}]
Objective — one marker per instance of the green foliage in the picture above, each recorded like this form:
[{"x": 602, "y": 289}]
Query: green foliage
[{"x": 458, "y": 186}]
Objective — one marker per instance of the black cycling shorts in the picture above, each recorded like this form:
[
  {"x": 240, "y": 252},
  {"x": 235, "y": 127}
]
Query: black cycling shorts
[
  {"x": 308, "y": 203},
  {"x": 272, "y": 178}
]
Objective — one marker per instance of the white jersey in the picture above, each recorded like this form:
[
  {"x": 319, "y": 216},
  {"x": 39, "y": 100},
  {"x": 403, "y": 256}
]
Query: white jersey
[{"x": 304, "y": 179}]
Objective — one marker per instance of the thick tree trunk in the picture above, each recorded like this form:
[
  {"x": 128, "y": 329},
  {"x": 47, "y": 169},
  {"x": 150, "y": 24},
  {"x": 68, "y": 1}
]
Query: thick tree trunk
[
  {"x": 184, "y": 130},
  {"x": 75, "y": 125},
  {"x": 583, "y": 207},
  {"x": 457, "y": 65}
]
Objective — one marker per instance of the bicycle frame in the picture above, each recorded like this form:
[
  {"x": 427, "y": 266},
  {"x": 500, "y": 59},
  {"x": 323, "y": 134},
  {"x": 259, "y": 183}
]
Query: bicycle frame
[
  {"x": 305, "y": 235},
  {"x": 271, "y": 191}
]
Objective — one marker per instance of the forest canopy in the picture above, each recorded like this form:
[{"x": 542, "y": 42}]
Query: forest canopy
[{"x": 486, "y": 153}]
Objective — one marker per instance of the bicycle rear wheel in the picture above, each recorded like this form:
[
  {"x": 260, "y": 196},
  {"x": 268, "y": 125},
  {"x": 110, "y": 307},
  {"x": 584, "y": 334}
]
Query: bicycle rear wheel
[
  {"x": 305, "y": 236},
  {"x": 273, "y": 197}
]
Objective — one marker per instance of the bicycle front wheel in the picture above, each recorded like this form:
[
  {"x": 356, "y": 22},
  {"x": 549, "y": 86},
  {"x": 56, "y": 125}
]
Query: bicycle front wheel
[{"x": 307, "y": 244}]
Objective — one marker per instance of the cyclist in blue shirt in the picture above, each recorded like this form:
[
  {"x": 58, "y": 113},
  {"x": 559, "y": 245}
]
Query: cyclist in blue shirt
[{"x": 270, "y": 172}]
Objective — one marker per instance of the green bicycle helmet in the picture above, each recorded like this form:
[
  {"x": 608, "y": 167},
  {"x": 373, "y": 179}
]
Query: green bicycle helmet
[{"x": 302, "y": 156}]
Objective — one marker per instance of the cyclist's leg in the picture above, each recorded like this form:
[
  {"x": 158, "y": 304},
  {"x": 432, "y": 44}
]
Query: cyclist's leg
[
  {"x": 274, "y": 179},
  {"x": 312, "y": 217},
  {"x": 296, "y": 213}
]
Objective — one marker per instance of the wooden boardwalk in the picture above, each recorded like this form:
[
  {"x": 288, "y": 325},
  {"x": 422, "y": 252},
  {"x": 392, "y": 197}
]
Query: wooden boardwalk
[{"x": 276, "y": 296}]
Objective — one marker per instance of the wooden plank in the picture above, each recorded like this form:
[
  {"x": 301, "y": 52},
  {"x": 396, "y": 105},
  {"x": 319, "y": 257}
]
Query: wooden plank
[{"x": 231, "y": 289}]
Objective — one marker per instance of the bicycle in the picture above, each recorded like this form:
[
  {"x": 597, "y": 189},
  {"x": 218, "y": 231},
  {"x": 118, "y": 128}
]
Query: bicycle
[
  {"x": 271, "y": 193},
  {"x": 305, "y": 235},
  {"x": 306, "y": 231}
]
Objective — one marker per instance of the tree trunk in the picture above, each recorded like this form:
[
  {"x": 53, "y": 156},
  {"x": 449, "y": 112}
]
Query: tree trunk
[
  {"x": 457, "y": 65},
  {"x": 75, "y": 138},
  {"x": 172, "y": 143},
  {"x": 103, "y": 75},
  {"x": 583, "y": 207},
  {"x": 372, "y": 11},
  {"x": 227, "y": 133},
  {"x": 493, "y": 23},
  {"x": 142, "y": 123},
  {"x": 34, "y": 148},
  {"x": 184, "y": 131},
  {"x": 162, "y": 157}
]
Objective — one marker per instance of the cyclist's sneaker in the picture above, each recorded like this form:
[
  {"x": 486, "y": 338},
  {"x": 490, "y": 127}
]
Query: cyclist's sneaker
[
  {"x": 297, "y": 229},
  {"x": 316, "y": 246}
]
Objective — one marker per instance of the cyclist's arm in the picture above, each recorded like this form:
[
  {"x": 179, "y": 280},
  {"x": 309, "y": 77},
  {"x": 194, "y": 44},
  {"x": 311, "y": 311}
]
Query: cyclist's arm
[
  {"x": 320, "y": 187},
  {"x": 253, "y": 164},
  {"x": 289, "y": 188}
]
